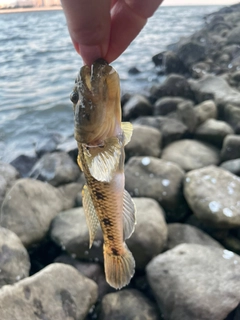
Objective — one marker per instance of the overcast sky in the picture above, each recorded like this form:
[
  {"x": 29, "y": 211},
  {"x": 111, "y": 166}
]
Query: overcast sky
[{"x": 198, "y": 2}]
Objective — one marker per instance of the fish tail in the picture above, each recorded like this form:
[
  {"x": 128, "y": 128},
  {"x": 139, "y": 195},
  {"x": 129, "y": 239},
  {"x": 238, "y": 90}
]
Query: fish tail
[{"x": 119, "y": 269}]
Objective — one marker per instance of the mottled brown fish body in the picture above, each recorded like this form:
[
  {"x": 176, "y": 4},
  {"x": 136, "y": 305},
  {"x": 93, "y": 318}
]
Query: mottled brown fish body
[{"x": 101, "y": 138}]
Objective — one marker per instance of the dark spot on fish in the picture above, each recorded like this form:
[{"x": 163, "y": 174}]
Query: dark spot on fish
[
  {"x": 99, "y": 195},
  {"x": 27, "y": 292},
  {"x": 69, "y": 305},
  {"x": 115, "y": 251},
  {"x": 106, "y": 222},
  {"x": 88, "y": 116},
  {"x": 110, "y": 237},
  {"x": 38, "y": 310}
]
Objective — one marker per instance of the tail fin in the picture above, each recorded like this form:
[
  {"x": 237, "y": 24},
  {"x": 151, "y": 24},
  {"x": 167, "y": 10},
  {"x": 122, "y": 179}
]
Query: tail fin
[{"x": 119, "y": 269}]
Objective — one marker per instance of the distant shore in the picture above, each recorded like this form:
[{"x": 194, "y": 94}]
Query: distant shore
[{"x": 15, "y": 10}]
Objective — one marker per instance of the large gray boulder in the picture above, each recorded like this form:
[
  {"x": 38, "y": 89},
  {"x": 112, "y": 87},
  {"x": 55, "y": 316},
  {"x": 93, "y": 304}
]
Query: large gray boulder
[
  {"x": 136, "y": 106},
  {"x": 128, "y": 305},
  {"x": 58, "y": 292},
  {"x": 29, "y": 208},
  {"x": 150, "y": 235},
  {"x": 157, "y": 179},
  {"x": 8, "y": 175},
  {"x": 205, "y": 110},
  {"x": 233, "y": 36},
  {"x": 213, "y": 195},
  {"x": 56, "y": 168},
  {"x": 191, "y": 154},
  {"x": 14, "y": 259},
  {"x": 194, "y": 282}
]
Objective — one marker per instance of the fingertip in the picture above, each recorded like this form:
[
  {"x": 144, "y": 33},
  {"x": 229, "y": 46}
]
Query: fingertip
[{"x": 89, "y": 53}]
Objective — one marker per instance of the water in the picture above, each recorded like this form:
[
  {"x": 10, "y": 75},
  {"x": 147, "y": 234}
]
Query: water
[{"x": 38, "y": 66}]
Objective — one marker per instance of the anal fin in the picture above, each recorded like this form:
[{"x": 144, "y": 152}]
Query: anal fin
[
  {"x": 129, "y": 215},
  {"x": 90, "y": 213}
]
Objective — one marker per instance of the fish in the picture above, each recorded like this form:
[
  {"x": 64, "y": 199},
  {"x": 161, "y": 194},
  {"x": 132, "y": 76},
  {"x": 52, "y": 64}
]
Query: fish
[{"x": 101, "y": 137}]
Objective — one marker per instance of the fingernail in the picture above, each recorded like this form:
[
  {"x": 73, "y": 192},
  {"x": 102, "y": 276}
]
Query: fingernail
[{"x": 89, "y": 53}]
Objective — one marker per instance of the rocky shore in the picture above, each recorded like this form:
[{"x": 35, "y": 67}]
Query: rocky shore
[{"x": 183, "y": 172}]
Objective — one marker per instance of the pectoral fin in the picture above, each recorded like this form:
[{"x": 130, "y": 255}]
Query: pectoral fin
[
  {"x": 90, "y": 213},
  {"x": 103, "y": 160},
  {"x": 127, "y": 128},
  {"x": 79, "y": 163},
  {"x": 129, "y": 215}
]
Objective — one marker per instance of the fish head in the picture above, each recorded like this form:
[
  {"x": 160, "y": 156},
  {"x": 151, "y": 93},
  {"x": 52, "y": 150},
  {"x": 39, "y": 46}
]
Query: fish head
[{"x": 96, "y": 102}]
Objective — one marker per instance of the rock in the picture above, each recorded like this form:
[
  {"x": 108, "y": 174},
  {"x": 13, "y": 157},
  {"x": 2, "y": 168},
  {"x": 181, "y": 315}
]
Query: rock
[
  {"x": 236, "y": 76},
  {"x": 57, "y": 292},
  {"x": 231, "y": 148},
  {"x": 172, "y": 63},
  {"x": 56, "y": 168},
  {"x": 199, "y": 69},
  {"x": 137, "y": 106},
  {"x": 205, "y": 110},
  {"x": 194, "y": 282},
  {"x": 213, "y": 195},
  {"x": 213, "y": 131},
  {"x": 165, "y": 105},
  {"x": 232, "y": 116},
  {"x": 232, "y": 165},
  {"x": 145, "y": 141},
  {"x": 91, "y": 270},
  {"x": 216, "y": 88},
  {"x": 8, "y": 175},
  {"x": 233, "y": 36},
  {"x": 127, "y": 305},
  {"x": 171, "y": 129},
  {"x": 70, "y": 193},
  {"x": 190, "y": 52},
  {"x": 48, "y": 144},
  {"x": 191, "y": 154},
  {"x": 69, "y": 146},
  {"x": 69, "y": 231},
  {"x": 232, "y": 243},
  {"x": 157, "y": 179},
  {"x": 175, "y": 86},
  {"x": 187, "y": 115},
  {"x": 29, "y": 208},
  {"x": 14, "y": 260},
  {"x": 179, "y": 233},
  {"x": 158, "y": 58},
  {"x": 133, "y": 70},
  {"x": 150, "y": 235},
  {"x": 23, "y": 164}
]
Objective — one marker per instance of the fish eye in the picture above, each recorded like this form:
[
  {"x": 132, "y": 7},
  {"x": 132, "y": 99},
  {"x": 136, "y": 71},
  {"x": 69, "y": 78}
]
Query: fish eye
[{"x": 74, "y": 97}]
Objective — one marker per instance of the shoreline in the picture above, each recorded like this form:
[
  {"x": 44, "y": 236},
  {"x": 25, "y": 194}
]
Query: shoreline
[{"x": 20, "y": 10}]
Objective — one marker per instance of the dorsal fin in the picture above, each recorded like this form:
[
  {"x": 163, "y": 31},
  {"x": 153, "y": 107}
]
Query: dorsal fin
[{"x": 129, "y": 215}]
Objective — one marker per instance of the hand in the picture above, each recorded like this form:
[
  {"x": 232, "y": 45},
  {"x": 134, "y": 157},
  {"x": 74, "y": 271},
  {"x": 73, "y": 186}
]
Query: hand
[{"x": 105, "y": 28}]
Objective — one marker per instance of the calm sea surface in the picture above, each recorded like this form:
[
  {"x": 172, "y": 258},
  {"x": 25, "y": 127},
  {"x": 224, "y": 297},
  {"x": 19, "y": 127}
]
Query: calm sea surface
[{"x": 38, "y": 66}]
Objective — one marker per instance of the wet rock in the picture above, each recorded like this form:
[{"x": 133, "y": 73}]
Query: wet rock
[
  {"x": 231, "y": 148},
  {"x": 216, "y": 88},
  {"x": 157, "y": 179},
  {"x": 145, "y": 141},
  {"x": 8, "y": 175},
  {"x": 23, "y": 164},
  {"x": 190, "y": 52},
  {"x": 165, "y": 105},
  {"x": 175, "y": 86},
  {"x": 29, "y": 208},
  {"x": 48, "y": 144},
  {"x": 57, "y": 292},
  {"x": 137, "y": 106},
  {"x": 179, "y": 233},
  {"x": 213, "y": 195},
  {"x": 174, "y": 272},
  {"x": 69, "y": 230},
  {"x": 236, "y": 76},
  {"x": 91, "y": 270},
  {"x": 172, "y": 63},
  {"x": 171, "y": 129},
  {"x": 233, "y": 36},
  {"x": 205, "y": 110},
  {"x": 158, "y": 58},
  {"x": 232, "y": 243},
  {"x": 187, "y": 115},
  {"x": 134, "y": 70},
  {"x": 150, "y": 233},
  {"x": 56, "y": 168},
  {"x": 14, "y": 260},
  {"x": 199, "y": 69},
  {"x": 232, "y": 165},
  {"x": 190, "y": 154},
  {"x": 213, "y": 131},
  {"x": 127, "y": 305},
  {"x": 232, "y": 116},
  {"x": 70, "y": 193},
  {"x": 69, "y": 146}
]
